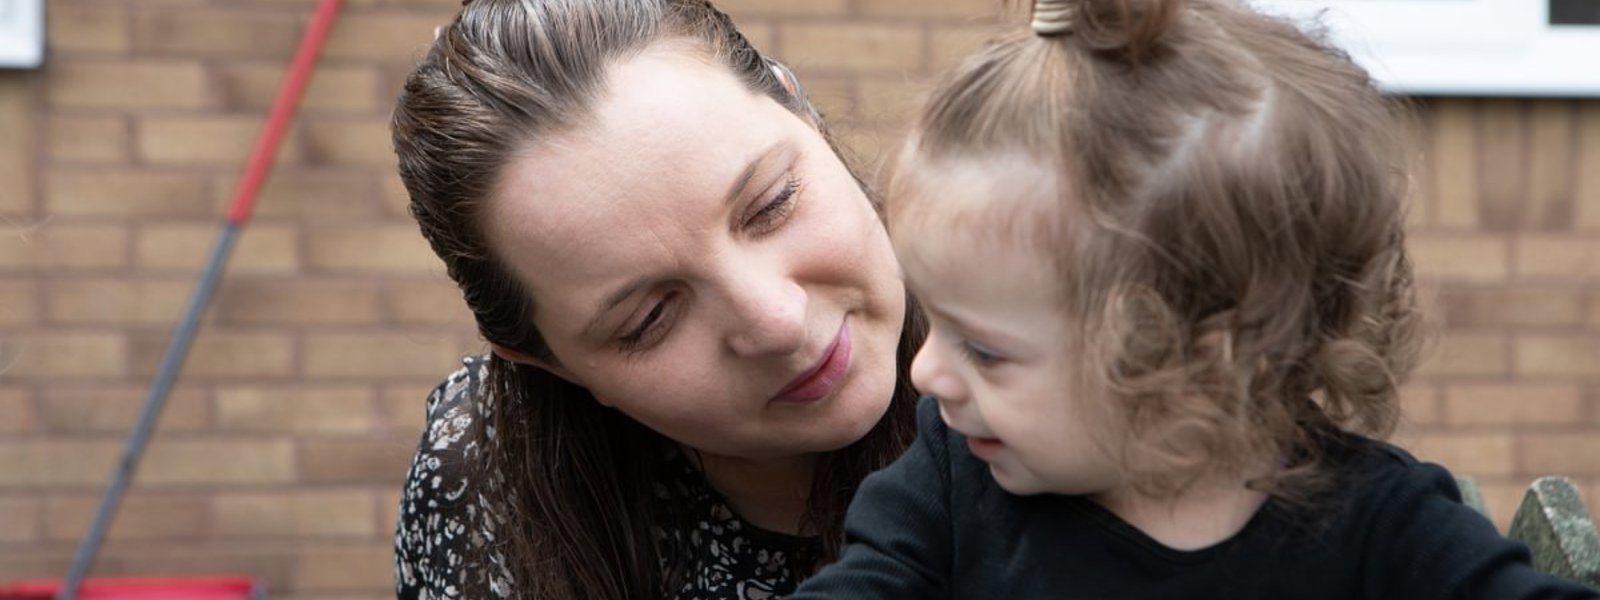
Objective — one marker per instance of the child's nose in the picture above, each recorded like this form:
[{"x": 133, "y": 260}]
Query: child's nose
[{"x": 931, "y": 375}]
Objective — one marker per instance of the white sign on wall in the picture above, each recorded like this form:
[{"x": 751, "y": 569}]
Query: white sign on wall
[
  {"x": 1465, "y": 47},
  {"x": 21, "y": 33}
]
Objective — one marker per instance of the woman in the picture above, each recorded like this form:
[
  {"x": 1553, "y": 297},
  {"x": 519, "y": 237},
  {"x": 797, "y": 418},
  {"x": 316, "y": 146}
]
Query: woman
[{"x": 696, "y": 321}]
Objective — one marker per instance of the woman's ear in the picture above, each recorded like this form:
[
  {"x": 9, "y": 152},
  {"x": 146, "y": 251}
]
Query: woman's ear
[{"x": 523, "y": 358}]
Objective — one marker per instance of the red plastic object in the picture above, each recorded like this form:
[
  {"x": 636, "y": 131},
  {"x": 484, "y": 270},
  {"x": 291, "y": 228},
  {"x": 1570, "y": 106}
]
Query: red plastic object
[{"x": 140, "y": 588}]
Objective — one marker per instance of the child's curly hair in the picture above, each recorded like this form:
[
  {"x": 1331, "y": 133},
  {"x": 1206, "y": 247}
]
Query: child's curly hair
[{"x": 1230, "y": 233}]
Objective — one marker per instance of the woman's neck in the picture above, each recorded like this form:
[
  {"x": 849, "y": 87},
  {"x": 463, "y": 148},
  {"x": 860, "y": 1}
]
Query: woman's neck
[
  {"x": 1205, "y": 514},
  {"x": 768, "y": 493}
]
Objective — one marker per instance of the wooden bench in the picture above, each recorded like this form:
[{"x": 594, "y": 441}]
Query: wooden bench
[{"x": 1555, "y": 525}]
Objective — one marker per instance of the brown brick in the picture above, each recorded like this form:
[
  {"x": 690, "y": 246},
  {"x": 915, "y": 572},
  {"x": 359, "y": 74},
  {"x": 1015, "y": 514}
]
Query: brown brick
[
  {"x": 833, "y": 96},
  {"x": 914, "y": 9},
  {"x": 333, "y": 88},
  {"x": 891, "y": 101},
  {"x": 1459, "y": 258},
  {"x": 1502, "y": 497},
  {"x": 17, "y": 118},
  {"x": 205, "y": 141},
  {"x": 298, "y": 513},
  {"x": 1594, "y": 310},
  {"x": 748, "y": 8},
  {"x": 378, "y": 249},
  {"x": 382, "y": 36},
  {"x": 1548, "y": 202},
  {"x": 396, "y": 200},
  {"x": 1507, "y": 404},
  {"x": 951, "y": 45},
  {"x": 127, "y": 84},
  {"x": 309, "y": 194},
  {"x": 345, "y": 568},
  {"x": 19, "y": 519},
  {"x": 1563, "y": 258},
  {"x": 433, "y": 302},
  {"x": 230, "y": 461},
  {"x": 139, "y": 517},
  {"x": 1475, "y": 454},
  {"x": 379, "y": 354},
  {"x": 1529, "y": 306},
  {"x": 1587, "y": 192},
  {"x": 1419, "y": 192},
  {"x": 117, "y": 301},
  {"x": 17, "y": 408},
  {"x": 1455, "y": 164},
  {"x": 34, "y": 565},
  {"x": 405, "y": 407},
  {"x": 1419, "y": 404},
  {"x": 127, "y": 193},
  {"x": 75, "y": 28},
  {"x": 303, "y": 410},
  {"x": 1502, "y": 166},
  {"x": 78, "y": 409},
  {"x": 269, "y": 565},
  {"x": 222, "y": 354},
  {"x": 1468, "y": 355},
  {"x": 261, "y": 249},
  {"x": 355, "y": 461},
  {"x": 1569, "y": 454},
  {"x": 19, "y": 303},
  {"x": 65, "y": 246},
  {"x": 89, "y": 139},
  {"x": 349, "y": 143},
  {"x": 65, "y": 354},
  {"x": 1558, "y": 356},
  {"x": 56, "y": 462},
  {"x": 188, "y": 31},
  {"x": 853, "y": 46},
  {"x": 297, "y": 302}
]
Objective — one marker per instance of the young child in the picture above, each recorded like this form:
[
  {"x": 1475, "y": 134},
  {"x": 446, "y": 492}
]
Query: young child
[{"x": 1161, "y": 247}]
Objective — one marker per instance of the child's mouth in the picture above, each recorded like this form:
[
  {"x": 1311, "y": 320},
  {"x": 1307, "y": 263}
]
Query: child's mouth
[{"x": 984, "y": 447}]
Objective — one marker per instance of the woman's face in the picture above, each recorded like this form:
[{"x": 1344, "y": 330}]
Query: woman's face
[{"x": 704, "y": 263}]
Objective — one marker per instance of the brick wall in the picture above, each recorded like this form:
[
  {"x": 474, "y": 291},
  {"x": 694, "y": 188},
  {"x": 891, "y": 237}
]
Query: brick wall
[{"x": 283, "y": 446}]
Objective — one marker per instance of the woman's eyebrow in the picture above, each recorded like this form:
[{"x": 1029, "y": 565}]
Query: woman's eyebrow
[{"x": 740, "y": 183}]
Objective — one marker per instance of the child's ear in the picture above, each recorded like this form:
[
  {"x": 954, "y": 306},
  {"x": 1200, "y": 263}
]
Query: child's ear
[{"x": 523, "y": 358}]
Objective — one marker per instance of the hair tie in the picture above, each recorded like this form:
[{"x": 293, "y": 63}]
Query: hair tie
[{"x": 1052, "y": 17}]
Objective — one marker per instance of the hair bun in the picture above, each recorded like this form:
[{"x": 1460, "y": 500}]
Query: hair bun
[{"x": 1128, "y": 30}]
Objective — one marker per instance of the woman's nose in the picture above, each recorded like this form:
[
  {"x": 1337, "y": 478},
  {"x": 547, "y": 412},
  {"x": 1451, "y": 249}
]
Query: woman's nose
[
  {"x": 931, "y": 374},
  {"x": 768, "y": 318}
]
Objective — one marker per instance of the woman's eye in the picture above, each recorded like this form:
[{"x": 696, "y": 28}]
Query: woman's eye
[
  {"x": 771, "y": 215},
  {"x": 648, "y": 329},
  {"x": 979, "y": 355}
]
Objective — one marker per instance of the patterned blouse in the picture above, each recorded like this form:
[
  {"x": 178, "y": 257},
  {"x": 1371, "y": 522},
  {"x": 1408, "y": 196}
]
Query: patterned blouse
[{"x": 731, "y": 559}]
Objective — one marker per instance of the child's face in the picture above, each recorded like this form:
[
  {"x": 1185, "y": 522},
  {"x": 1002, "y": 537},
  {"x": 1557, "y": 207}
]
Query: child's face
[{"x": 995, "y": 356}]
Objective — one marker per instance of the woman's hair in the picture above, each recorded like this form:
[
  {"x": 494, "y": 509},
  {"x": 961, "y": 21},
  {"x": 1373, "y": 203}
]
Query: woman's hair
[
  {"x": 570, "y": 480},
  {"x": 1229, "y": 230}
]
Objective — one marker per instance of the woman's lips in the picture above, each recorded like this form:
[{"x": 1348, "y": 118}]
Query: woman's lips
[{"x": 822, "y": 378}]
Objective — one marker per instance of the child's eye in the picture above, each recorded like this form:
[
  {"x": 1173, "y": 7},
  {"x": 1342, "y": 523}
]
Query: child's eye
[
  {"x": 979, "y": 355},
  {"x": 772, "y": 215}
]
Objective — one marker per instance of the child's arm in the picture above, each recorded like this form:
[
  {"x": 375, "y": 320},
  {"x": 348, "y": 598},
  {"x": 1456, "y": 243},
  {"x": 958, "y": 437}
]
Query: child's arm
[
  {"x": 1427, "y": 544},
  {"x": 897, "y": 535}
]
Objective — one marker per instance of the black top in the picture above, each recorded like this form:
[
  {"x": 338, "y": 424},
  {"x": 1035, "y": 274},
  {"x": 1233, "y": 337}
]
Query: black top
[
  {"x": 722, "y": 556},
  {"x": 936, "y": 525}
]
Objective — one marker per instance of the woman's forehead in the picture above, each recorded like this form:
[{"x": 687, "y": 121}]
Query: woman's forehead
[{"x": 638, "y": 180}]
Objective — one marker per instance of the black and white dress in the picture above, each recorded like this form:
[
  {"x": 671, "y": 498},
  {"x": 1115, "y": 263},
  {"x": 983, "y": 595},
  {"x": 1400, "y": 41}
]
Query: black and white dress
[{"x": 731, "y": 559}]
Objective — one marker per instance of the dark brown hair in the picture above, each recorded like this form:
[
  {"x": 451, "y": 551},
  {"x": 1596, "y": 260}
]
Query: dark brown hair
[
  {"x": 1229, "y": 231},
  {"x": 568, "y": 481}
]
